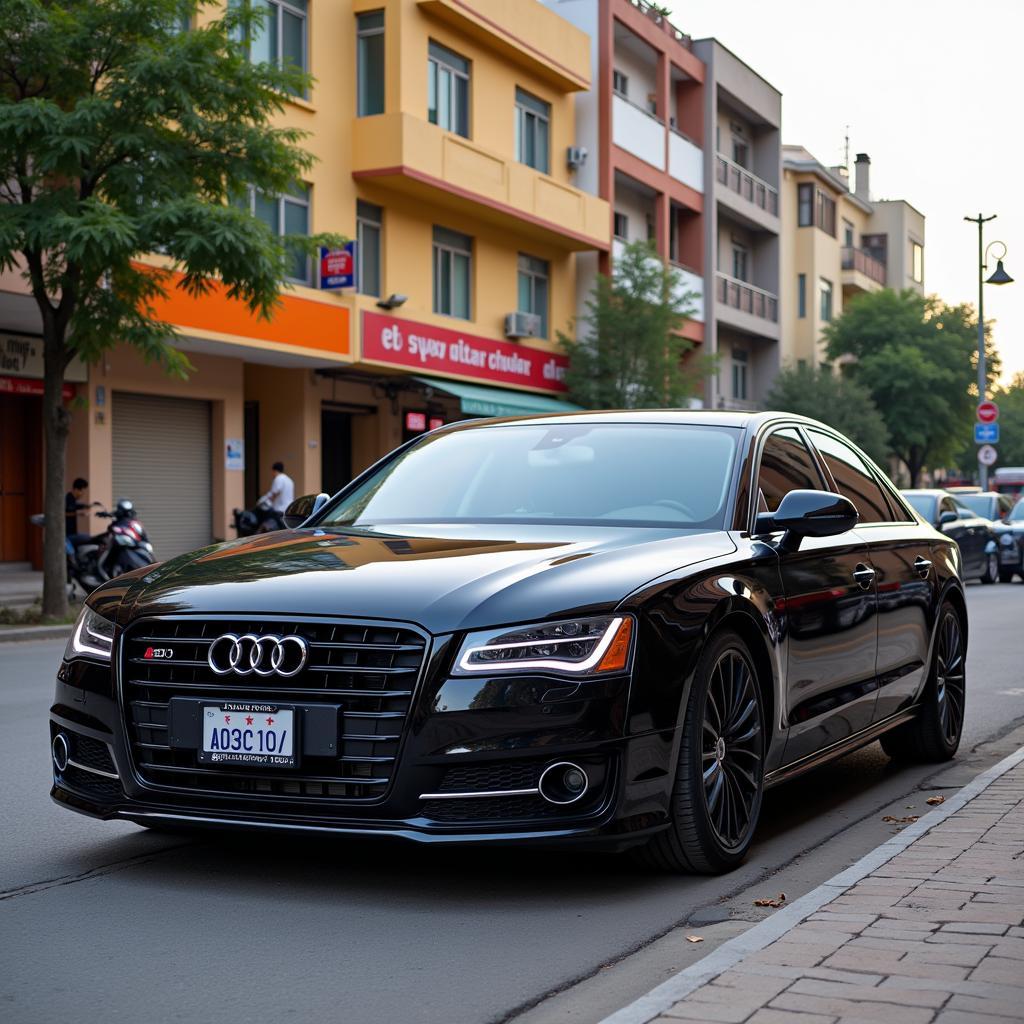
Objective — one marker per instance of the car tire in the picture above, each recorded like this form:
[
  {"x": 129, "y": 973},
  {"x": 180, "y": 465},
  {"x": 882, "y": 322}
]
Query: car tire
[
  {"x": 991, "y": 573},
  {"x": 934, "y": 734},
  {"x": 719, "y": 781}
]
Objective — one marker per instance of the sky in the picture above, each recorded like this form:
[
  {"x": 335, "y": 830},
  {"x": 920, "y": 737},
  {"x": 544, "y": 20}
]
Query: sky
[{"x": 932, "y": 91}]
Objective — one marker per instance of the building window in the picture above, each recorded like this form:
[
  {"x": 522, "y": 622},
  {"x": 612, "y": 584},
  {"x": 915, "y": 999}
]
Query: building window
[
  {"x": 739, "y": 262},
  {"x": 740, "y": 152},
  {"x": 534, "y": 275},
  {"x": 448, "y": 90},
  {"x": 826, "y": 214},
  {"x": 280, "y": 37},
  {"x": 369, "y": 231},
  {"x": 620, "y": 84},
  {"x": 285, "y": 215},
  {"x": 533, "y": 122},
  {"x": 801, "y": 295},
  {"x": 620, "y": 226},
  {"x": 370, "y": 64},
  {"x": 917, "y": 261},
  {"x": 825, "y": 288},
  {"x": 848, "y": 234},
  {"x": 805, "y": 205},
  {"x": 453, "y": 267},
  {"x": 739, "y": 374}
]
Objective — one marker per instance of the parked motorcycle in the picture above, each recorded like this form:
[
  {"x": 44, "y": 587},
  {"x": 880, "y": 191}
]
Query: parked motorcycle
[
  {"x": 260, "y": 519},
  {"x": 123, "y": 546}
]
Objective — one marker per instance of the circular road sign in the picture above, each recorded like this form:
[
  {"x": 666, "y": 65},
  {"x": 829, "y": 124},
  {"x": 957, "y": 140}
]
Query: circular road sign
[
  {"x": 988, "y": 412},
  {"x": 987, "y": 455}
]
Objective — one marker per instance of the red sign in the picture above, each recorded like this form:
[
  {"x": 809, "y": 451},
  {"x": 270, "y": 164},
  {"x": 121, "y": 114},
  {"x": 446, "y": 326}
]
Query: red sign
[
  {"x": 415, "y": 422},
  {"x": 336, "y": 261},
  {"x": 435, "y": 422},
  {"x": 430, "y": 349},
  {"x": 28, "y": 386},
  {"x": 988, "y": 412}
]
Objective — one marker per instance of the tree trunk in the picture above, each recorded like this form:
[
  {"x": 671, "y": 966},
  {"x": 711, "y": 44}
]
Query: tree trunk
[{"x": 56, "y": 425}]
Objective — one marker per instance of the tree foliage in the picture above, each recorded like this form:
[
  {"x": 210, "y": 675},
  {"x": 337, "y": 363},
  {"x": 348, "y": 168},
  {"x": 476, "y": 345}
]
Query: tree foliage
[
  {"x": 629, "y": 352},
  {"x": 122, "y": 135},
  {"x": 835, "y": 399},
  {"x": 1011, "y": 421},
  {"x": 917, "y": 358}
]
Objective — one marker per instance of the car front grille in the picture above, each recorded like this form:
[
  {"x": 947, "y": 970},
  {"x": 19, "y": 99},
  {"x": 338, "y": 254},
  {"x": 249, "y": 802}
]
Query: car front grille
[{"x": 369, "y": 669}]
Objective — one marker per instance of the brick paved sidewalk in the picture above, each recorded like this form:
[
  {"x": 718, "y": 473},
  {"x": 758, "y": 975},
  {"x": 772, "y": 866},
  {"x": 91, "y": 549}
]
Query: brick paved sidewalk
[{"x": 934, "y": 934}]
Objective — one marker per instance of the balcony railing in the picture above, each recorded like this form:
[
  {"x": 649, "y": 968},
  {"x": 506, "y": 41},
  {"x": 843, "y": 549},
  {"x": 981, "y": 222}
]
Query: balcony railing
[
  {"x": 868, "y": 265},
  {"x": 747, "y": 298},
  {"x": 652, "y": 11},
  {"x": 752, "y": 188}
]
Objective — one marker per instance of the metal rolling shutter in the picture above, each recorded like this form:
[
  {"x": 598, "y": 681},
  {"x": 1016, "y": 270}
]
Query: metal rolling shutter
[{"x": 163, "y": 462}]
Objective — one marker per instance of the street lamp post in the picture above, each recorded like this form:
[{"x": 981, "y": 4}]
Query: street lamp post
[{"x": 999, "y": 276}]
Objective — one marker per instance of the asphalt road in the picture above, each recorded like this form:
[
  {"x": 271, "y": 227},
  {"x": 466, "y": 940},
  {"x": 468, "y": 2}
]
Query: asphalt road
[{"x": 106, "y": 922}]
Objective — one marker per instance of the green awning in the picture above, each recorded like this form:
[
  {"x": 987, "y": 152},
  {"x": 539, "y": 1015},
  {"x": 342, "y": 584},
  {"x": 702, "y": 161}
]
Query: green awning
[{"x": 477, "y": 400}]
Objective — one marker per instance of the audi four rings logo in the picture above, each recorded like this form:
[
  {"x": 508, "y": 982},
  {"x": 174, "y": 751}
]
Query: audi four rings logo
[{"x": 266, "y": 655}]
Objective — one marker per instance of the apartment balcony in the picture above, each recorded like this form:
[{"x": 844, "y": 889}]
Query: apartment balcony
[
  {"x": 419, "y": 159},
  {"x": 646, "y": 137},
  {"x": 747, "y": 195},
  {"x": 862, "y": 272},
  {"x": 746, "y": 307},
  {"x": 690, "y": 283}
]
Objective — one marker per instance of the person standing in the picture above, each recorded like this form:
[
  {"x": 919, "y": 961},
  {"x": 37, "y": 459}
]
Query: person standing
[
  {"x": 282, "y": 489},
  {"x": 73, "y": 505}
]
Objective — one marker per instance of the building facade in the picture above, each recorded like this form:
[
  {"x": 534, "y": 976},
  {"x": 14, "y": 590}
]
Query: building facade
[
  {"x": 839, "y": 243},
  {"x": 743, "y": 168},
  {"x": 441, "y": 132}
]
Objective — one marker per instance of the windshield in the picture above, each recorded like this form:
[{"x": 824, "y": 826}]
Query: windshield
[
  {"x": 636, "y": 474},
  {"x": 924, "y": 504},
  {"x": 979, "y": 504}
]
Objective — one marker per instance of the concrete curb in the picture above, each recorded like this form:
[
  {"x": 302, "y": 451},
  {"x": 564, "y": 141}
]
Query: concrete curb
[
  {"x": 17, "y": 634},
  {"x": 730, "y": 953}
]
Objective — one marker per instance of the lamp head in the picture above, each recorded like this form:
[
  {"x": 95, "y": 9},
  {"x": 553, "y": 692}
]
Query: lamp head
[
  {"x": 393, "y": 301},
  {"x": 999, "y": 276}
]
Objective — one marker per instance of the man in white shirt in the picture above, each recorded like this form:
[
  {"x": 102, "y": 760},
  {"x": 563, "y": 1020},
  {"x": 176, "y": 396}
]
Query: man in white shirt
[{"x": 282, "y": 489}]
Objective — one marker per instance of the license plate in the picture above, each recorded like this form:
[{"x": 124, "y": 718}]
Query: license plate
[{"x": 261, "y": 735}]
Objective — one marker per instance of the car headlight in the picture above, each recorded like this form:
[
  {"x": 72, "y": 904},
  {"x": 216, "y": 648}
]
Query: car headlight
[
  {"x": 1007, "y": 540},
  {"x": 576, "y": 647},
  {"x": 93, "y": 637}
]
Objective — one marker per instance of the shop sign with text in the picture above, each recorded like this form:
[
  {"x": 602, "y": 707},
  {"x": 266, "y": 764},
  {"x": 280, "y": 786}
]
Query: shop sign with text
[
  {"x": 430, "y": 349},
  {"x": 21, "y": 355}
]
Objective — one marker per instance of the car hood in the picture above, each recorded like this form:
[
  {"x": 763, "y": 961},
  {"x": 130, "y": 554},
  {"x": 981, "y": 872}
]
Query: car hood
[{"x": 444, "y": 578}]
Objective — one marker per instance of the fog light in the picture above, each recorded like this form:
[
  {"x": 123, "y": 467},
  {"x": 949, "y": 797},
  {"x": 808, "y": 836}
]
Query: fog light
[
  {"x": 60, "y": 751},
  {"x": 563, "y": 783}
]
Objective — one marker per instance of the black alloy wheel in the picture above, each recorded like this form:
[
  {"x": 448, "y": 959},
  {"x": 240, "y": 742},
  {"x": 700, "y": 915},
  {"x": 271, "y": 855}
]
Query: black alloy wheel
[
  {"x": 732, "y": 749},
  {"x": 716, "y": 799},
  {"x": 934, "y": 734}
]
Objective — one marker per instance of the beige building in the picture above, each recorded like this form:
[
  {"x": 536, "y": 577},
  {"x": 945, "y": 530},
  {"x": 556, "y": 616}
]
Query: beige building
[{"x": 838, "y": 243}]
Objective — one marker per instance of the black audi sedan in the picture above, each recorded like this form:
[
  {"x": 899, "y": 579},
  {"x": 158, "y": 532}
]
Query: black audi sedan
[
  {"x": 974, "y": 535},
  {"x": 603, "y": 628}
]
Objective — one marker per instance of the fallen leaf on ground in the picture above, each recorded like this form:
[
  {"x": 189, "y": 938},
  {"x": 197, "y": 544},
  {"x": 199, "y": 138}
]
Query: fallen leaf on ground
[
  {"x": 776, "y": 901},
  {"x": 933, "y": 800},
  {"x": 694, "y": 938},
  {"x": 908, "y": 820}
]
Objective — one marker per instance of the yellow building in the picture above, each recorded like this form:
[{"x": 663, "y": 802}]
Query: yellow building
[
  {"x": 442, "y": 132},
  {"x": 838, "y": 243}
]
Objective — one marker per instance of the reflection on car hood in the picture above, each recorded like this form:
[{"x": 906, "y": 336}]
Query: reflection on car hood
[{"x": 443, "y": 577}]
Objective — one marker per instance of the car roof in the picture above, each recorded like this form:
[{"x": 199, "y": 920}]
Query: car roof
[{"x": 691, "y": 417}]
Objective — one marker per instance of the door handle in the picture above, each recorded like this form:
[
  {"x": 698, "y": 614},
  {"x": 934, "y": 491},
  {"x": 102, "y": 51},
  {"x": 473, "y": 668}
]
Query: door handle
[
  {"x": 864, "y": 575},
  {"x": 923, "y": 567}
]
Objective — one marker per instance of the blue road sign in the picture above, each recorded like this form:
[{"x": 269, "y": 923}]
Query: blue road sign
[{"x": 986, "y": 433}]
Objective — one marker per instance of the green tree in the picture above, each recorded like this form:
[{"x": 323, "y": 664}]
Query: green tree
[
  {"x": 835, "y": 399},
  {"x": 917, "y": 358},
  {"x": 122, "y": 135},
  {"x": 629, "y": 352},
  {"x": 1011, "y": 421}
]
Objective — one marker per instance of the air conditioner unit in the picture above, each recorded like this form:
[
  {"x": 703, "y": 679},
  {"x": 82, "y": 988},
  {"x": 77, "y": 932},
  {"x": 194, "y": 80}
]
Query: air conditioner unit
[
  {"x": 522, "y": 325},
  {"x": 576, "y": 157}
]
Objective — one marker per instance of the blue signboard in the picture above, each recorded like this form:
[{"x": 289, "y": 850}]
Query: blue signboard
[
  {"x": 986, "y": 433},
  {"x": 338, "y": 266}
]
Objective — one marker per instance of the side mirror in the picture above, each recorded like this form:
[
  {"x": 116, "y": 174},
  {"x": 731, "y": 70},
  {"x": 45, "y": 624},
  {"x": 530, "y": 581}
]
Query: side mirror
[
  {"x": 947, "y": 517},
  {"x": 808, "y": 514},
  {"x": 302, "y": 508}
]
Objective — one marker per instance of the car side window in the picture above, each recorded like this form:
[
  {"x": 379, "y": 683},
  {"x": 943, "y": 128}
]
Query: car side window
[
  {"x": 853, "y": 477},
  {"x": 786, "y": 465}
]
